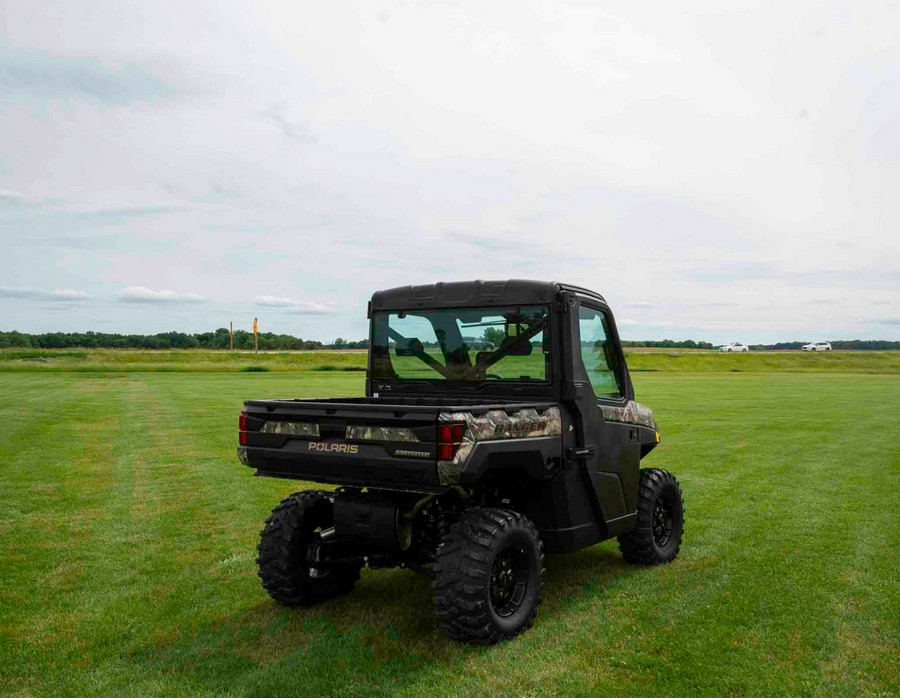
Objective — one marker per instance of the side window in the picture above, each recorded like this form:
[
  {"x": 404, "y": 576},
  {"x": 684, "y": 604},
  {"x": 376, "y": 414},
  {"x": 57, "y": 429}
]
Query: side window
[{"x": 598, "y": 354}]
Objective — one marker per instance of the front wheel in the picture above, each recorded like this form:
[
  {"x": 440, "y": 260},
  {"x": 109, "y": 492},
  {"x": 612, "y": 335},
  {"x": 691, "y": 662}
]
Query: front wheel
[
  {"x": 287, "y": 562},
  {"x": 656, "y": 537},
  {"x": 487, "y": 576}
]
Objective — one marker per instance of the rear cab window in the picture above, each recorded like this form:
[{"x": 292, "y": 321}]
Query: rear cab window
[{"x": 462, "y": 344}]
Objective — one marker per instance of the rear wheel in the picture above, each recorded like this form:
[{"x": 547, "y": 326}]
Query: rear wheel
[
  {"x": 656, "y": 537},
  {"x": 287, "y": 561},
  {"x": 487, "y": 576}
]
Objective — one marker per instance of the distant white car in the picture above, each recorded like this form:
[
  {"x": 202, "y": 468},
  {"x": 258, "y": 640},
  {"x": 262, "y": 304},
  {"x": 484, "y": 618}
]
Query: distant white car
[
  {"x": 817, "y": 346},
  {"x": 733, "y": 346}
]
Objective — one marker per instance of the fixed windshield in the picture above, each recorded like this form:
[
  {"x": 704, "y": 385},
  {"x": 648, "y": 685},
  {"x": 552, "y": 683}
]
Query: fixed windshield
[{"x": 462, "y": 344}]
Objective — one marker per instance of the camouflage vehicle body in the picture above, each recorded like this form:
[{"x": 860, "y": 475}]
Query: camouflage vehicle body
[{"x": 431, "y": 444}]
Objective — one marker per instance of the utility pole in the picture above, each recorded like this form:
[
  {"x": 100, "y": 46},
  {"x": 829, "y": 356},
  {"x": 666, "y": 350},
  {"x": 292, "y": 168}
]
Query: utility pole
[
  {"x": 230, "y": 336},
  {"x": 255, "y": 335}
]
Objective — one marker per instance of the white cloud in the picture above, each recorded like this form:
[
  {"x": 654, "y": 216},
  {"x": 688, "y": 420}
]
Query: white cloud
[
  {"x": 294, "y": 306},
  {"x": 142, "y": 294},
  {"x": 37, "y": 294},
  {"x": 10, "y": 194},
  {"x": 274, "y": 301},
  {"x": 69, "y": 294},
  {"x": 311, "y": 309}
]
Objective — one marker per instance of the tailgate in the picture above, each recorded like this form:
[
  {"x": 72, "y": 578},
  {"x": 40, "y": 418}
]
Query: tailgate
[{"x": 365, "y": 444}]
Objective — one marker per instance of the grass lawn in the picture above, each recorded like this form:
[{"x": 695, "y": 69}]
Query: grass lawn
[{"x": 129, "y": 529}]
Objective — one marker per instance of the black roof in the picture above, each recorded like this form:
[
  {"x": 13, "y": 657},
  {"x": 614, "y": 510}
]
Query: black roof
[{"x": 474, "y": 294}]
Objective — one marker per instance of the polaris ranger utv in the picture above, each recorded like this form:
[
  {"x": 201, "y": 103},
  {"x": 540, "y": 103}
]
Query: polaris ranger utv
[{"x": 499, "y": 422}]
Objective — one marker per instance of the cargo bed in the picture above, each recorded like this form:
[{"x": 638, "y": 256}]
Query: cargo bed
[{"x": 381, "y": 442}]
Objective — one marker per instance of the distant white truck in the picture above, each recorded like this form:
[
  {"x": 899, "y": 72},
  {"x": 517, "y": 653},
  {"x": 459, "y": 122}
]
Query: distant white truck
[
  {"x": 733, "y": 347},
  {"x": 817, "y": 346}
]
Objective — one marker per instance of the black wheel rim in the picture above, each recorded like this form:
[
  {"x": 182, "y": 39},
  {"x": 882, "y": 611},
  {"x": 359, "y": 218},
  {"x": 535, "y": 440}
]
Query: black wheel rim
[
  {"x": 663, "y": 520},
  {"x": 509, "y": 581}
]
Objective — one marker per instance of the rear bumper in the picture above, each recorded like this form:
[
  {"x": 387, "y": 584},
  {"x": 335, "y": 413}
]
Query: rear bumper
[{"x": 369, "y": 466}]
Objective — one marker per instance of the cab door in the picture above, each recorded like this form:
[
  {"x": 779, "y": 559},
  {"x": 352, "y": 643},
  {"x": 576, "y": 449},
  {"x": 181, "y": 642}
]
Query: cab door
[{"x": 614, "y": 465}]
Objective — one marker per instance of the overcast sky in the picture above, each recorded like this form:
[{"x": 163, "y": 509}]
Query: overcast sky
[{"x": 720, "y": 171}]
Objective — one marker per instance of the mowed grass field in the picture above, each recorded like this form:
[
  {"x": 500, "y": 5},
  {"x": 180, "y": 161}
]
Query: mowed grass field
[
  {"x": 639, "y": 360},
  {"x": 128, "y": 533}
]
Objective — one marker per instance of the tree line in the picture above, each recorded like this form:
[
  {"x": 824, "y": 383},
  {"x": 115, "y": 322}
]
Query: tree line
[
  {"x": 668, "y": 344},
  {"x": 837, "y": 344},
  {"x": 268, "y": 341},
  {"x": 285, "y": 342}
]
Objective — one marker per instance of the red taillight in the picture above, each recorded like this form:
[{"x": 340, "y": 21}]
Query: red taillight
[
  {"x": 242, "y": 429},
  {"x": 451, "y": 433},
  {"x": 450, "y": 436}
]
